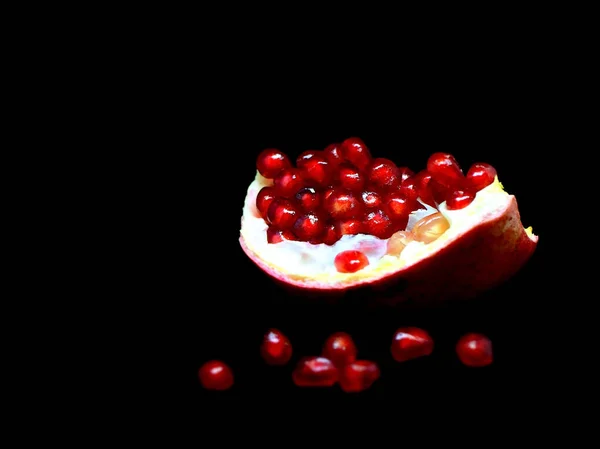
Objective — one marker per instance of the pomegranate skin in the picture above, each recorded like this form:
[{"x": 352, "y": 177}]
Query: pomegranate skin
[{"x": 481, "y": 257}]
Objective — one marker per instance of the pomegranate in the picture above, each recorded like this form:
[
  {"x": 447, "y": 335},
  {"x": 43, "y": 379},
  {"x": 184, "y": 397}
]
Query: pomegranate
[
  {"x": 216, "y": 375},
  {"x": 340, "y": 349},
  {"x": 276, "y": 348},
  {"x": 315, "y": 372},
  {"x": 341, "y": 219},
  {"x": 410, "y": 343},
  {"x": 358, "y": 376},
  {"x": 474, "y": 350}
]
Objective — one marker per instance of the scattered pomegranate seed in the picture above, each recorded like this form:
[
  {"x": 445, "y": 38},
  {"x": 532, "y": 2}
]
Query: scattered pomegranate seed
[
  {"x": 350, "y": 261},
  {"x": 288, "y": 181},
  {"x": 350, "y": 177},
  {"x": 459, "y": 199},
  {"x": 384, "y": 174},
  {"x": 340, "y": 349},
  {"x": 480, "y": 175},
  {"x": 275, "y": 235},
  {"x": 215, "y": 375},
  {"x": 355, "y": 151},
  {"x": 315, "y": 372},
  {"x": 265, "y": 197},
  {"x": 308, "y": 199},
  {"x": 430, "y": 228},
  {"x": 271, "y": 161},
  {"x": 276, "y": 348},
  {"x": 358, "y": 376},
  {"x": 282, "y": 214},
  {"x": 474, "y": 350},
  {"x": 445, "y": 170},
  {"x": 309, "y": 226},
  {"x": 411, "y": 342}
]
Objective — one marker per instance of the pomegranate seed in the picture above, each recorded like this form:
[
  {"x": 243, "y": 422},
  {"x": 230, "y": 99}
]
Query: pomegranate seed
[
  {"x": 350, "y": 261},
  {"x": 377, "y": 223},
  {"x": 405, "y": 173},
  {"x": 459, "y": 199},
  {"x": 355, "y": 151},
  {"x": 271, "y": 161},
  {"x": 474, "y": 350},
  {"x": 318, "y": 171},
  {"x": 384, "y": 174},
  {"x": 333, "y": 155},
  {"x": 215, "y": 375},
  {"x": 315, "y": 372},
  {"x": 276, "y": 348},
  {"x": 350, "y": 178},
  {"x": 308, "y": 199},
  {"x": 352, "y": 226},
  {"x": 410, "y": 343},
  {"x": 288, "y": 182},
  {"x": 371, "y": 199},
  {"x": 417, "y": 186},
  {"x": 445, "y": 170},
  {"x": 327, "y": 193},
  {"x": 358, "y": 376},
  {"x": 398, "y": 205},
  {"x": 265, "y": 197},
  {"x": 398, "y": 242},
  {"x": 309, "y": 226},
  {"x": 340, "y": 349},
  {"x": 305, "y": 157},
  {"x": 342, "y": 204},
  {"x": 275, "y": 235},
  {"x": 430, "y": 228},
  {"x": 282, "y": 213},
  {"x": 330, "y": 235},
  {"x": 480, "y": 175}
]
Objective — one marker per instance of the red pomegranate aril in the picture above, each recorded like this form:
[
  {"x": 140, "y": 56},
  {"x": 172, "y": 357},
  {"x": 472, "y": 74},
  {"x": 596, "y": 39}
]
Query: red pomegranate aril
[
  {"x": 445, "y": 170},
  {"x": 405, "y": 173},
  {"x": 305, "y": 157},
  {"x": 384, "y": 174},
  {"x": 349, "y": 177},
  {"x": 352, "y": 226},
  {"x": 275, "y": 235},
  {"x": 318, "y": 171},
  {"x": 480, "y": 175},
  {"x": 355, "y": 151},
  {"x": 333, "y": 154},
  {"x": 475, "y": 350},
  {"x": 371, "y": 199},
  {"x": 410, "y": 343},
  {"x": 265, "y": 197},
  {"x": 377, "y": 223},
  {"x": 215, "y": 375},
  {"x": 271, "y": 161},
  {"x": 308, "y": 199},
  {"x": 350, "y": 261},
  {"x": 315, "y": 372},
  {"x": 330, "y": 235},
  {"x": 430, "y": 228},
  {"x": 358, "y": 376},
  {"x": 287, "y": 182},
  {"x": 340, "y": 349},
  {"x": 282, "y": 213},
  {"x": 343, "y": 204},
  {"x": 398, "y": 205},
  {"x": 423, "y": 179},
  {"x": 459, "y": 199},
  {"x": 309, "y": 226},
  {"x": 275, "y": 348}
]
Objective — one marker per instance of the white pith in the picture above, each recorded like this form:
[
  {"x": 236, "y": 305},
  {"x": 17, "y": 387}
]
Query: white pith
[{"x": 305, "y": 260}]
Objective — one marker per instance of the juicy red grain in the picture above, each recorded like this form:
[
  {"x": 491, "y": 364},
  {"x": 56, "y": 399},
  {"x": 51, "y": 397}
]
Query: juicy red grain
[
  {"x": 417, "y": 186},
  {"x": 445, "y": 170},
  {"x": 474, "y": 350},
  {"x": 287, "y": 182},
  {"x": 405, "y": 173},
  {"x": 480, "y": 175},
  {"x": 355, "y": 151},
  {"x": 384, "y": 174},
  {"x": 275, "y": 348},
  {"x": 333, "y": 154},
  {"x": 265, "y": 197},
  {"x": 315, "y": 372},
  {"x": 330, "y": 235},
  {"x": 282, "y": 213},
  {"x": 349, "y": 177},
  {"x": 308, "y": 199},
  {"x": 305, "y": 157},
  {"x": 271, "y": 161},
  {"x": 371, "y": 199},
  {"x": 215, "y": 375},
  {"x": 275, "y": 235},
  {"x": 309, "y": 226},
  {"x": 351, "y": 226},
  {"x": 350, "y": 261},
  {"x": 459, "y": 199},
  {"x": 317, "y": 171},
  {"x": 340, "y": 349},
  {"x": 343, "y": 204},
  {"x": 378, "y": 223},
  {"x": 358, "y": 376},
  {"x": 410, "y": 343},
  {"x": 398, "y": 205}
]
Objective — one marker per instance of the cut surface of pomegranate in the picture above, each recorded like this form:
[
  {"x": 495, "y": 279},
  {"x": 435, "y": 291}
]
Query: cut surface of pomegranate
[
  {"x": 439, "y": 232},
  {"x": 215, "y": 375}
]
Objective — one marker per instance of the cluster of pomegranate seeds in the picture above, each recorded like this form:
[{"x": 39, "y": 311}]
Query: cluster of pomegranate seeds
[{"x": 343, "y": 190}]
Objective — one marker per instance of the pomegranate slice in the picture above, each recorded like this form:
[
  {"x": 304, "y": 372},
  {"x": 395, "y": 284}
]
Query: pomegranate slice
[
  {"x": 216, "y": 375},
  {"x": 350, "y": 261},
  {"x": 315, "y": 372},
  {"x": 410, "y": 343}
]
